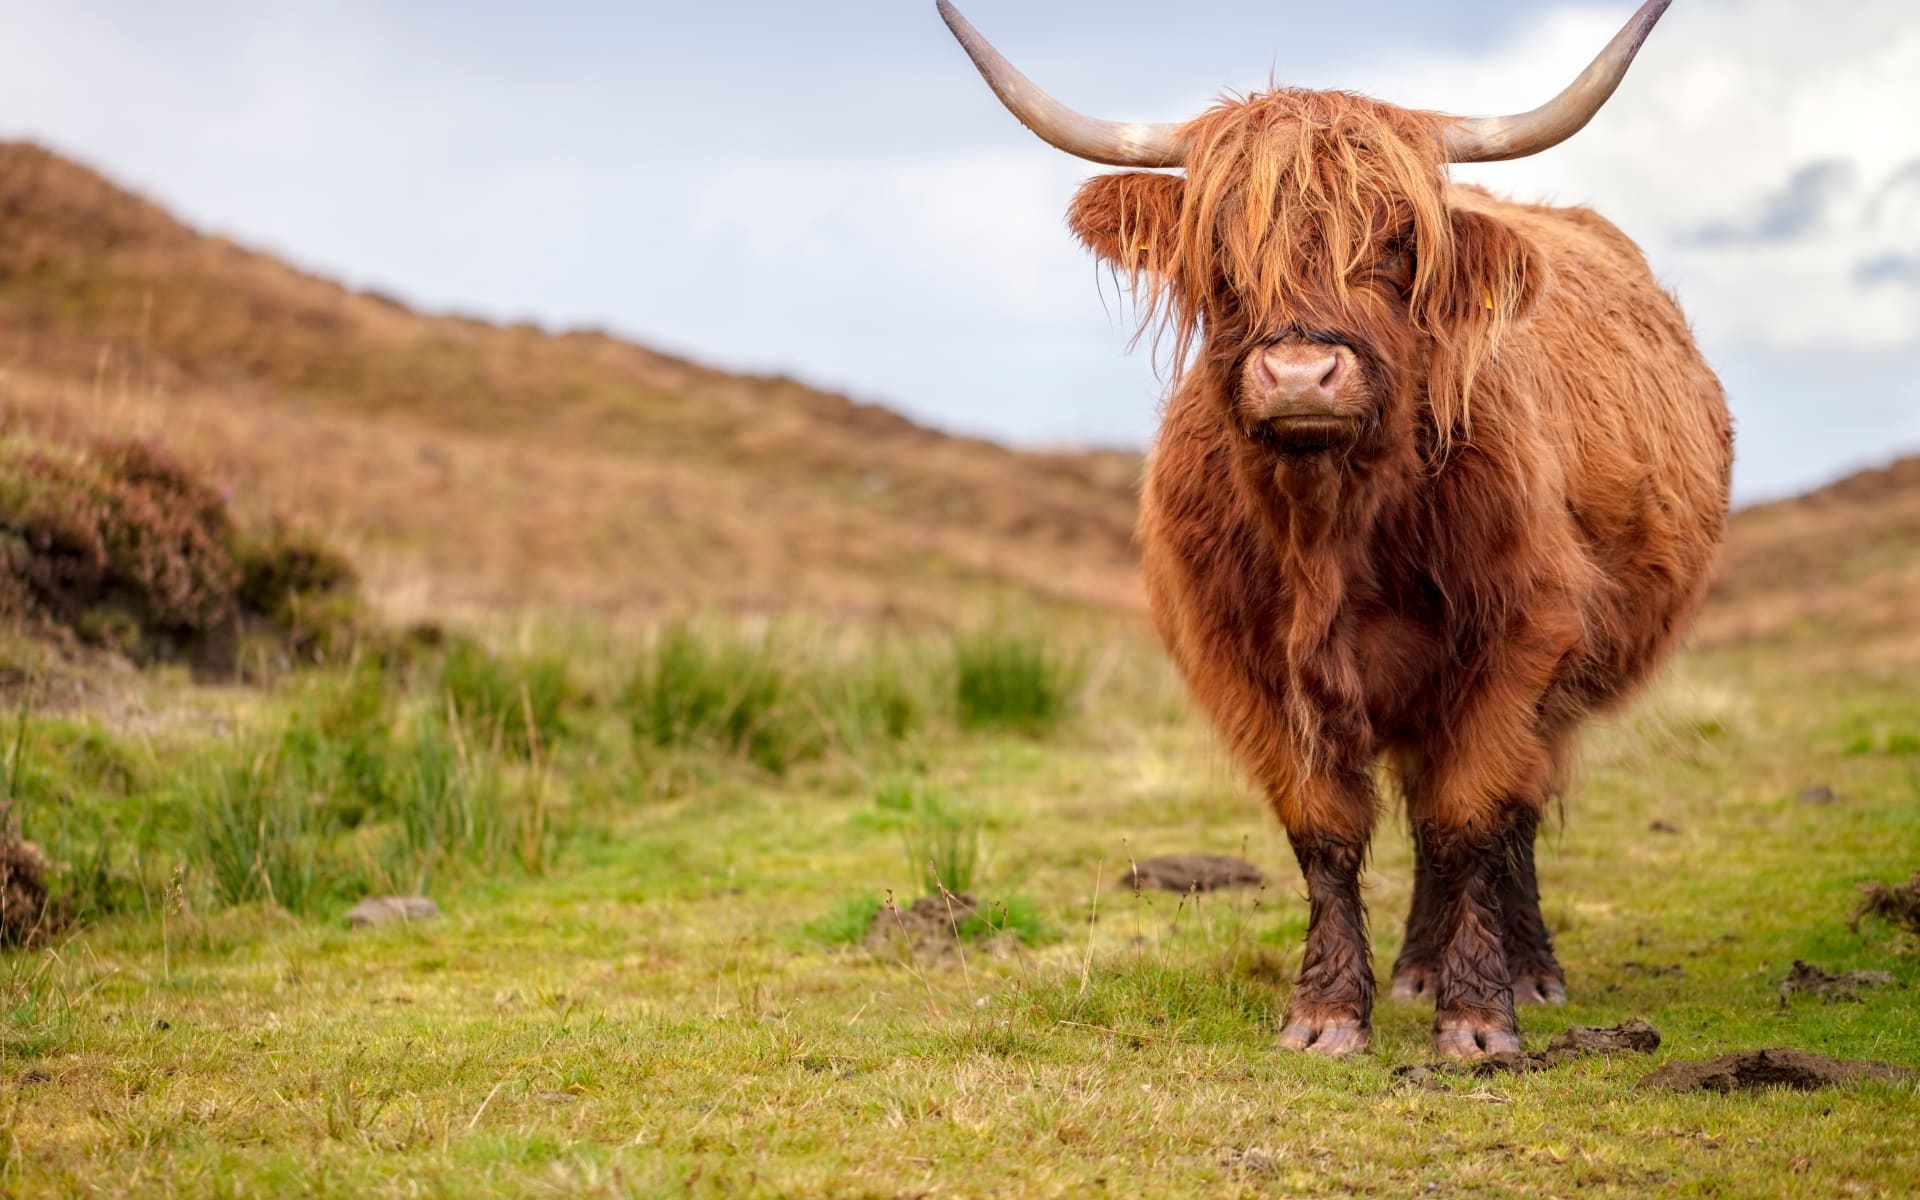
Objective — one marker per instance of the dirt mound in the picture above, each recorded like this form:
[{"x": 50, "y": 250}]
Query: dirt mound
[
  {"x": 23, "y": 892},
  {"x": 1756, "y": 1070},
  {"x": 1195, "y": 873},
  {"x": 930, "y": 926},
  {"x": 1580, "y": 1041},
  {"x": 1898, "y": 903},
  {"x": 1831, "y": 988}
]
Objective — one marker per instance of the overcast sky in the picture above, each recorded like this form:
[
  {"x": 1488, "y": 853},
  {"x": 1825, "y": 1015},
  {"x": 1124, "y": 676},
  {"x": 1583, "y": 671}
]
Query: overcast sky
[{"x": 827, "y": 189}]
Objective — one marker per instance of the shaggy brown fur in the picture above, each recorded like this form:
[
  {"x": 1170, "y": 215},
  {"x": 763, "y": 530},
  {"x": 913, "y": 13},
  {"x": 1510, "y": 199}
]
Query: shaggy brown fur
[{"x": 1512, "y": 538}]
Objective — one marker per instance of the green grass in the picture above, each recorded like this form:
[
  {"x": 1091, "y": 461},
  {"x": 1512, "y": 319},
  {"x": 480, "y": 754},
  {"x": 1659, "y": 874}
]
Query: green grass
[
  {"x": 1011, "y": 680},
  {"x": 677, "y": 1003},
  {"x": 942, "y": 838}
]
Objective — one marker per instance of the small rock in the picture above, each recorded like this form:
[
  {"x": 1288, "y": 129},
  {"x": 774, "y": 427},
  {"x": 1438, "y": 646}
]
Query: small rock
[
  {"x": 1663, "y": 827},
  {"x": 1195, "y": 873},
  {"x": 1755, "y": 1070},
  {"x": 1819, "y": 793},
  {"x": 385, "y": 910}
]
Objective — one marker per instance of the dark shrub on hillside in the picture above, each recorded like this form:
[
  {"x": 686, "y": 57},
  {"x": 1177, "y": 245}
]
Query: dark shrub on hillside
[
  {"x": 119, "y": 544},
  {"x": 23, "y": 891},
  {"x": 122, "y": 546},
  {"x": 305, "y": 591}
]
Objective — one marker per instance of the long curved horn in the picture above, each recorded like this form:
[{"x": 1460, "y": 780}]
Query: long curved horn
[
  {"x": 1494, "y": 139},
  {"x": 1113, "y": 143}
]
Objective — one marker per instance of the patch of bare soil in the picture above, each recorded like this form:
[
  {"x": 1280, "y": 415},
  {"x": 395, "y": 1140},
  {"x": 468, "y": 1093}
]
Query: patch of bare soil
[
  {"x": 1756, "y": 1070},
  {"x": 1831, "y": 988},
  {"x": 1895, "y": 902},
  {"x": 1581, "y": 1041},
  {"x": 928, "y": 928},
  {"x": 24, "y": 916},
  {"x": 1195, "y": 873}
]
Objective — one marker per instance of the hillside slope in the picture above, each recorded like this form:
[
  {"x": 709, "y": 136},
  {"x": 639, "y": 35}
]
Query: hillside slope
[
  {"x": 477, "y": 466},
  {"x": 1838, "y": 568}
]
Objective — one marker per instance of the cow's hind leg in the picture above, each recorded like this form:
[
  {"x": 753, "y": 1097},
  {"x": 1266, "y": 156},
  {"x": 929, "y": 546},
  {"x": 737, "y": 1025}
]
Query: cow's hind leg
[
  {"x": 1332, "y": 1008},
  {"x": 1535, "y": 972},
  {"x": 1416, "y": 972},
  {"x": 1473, "y": 1007}
]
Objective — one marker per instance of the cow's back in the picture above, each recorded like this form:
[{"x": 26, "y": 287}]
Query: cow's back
[{"x": 1641, "y": 430}]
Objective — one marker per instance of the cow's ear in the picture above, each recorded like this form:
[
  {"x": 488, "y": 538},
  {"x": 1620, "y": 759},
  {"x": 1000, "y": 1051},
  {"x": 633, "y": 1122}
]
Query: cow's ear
[
  {"x": 1130, "y": 221},
  {"x": 1497, "y": 277}
]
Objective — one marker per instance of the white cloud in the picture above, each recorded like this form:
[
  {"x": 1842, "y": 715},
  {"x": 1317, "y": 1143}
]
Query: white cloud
[{"x": 1728, "y": 103}]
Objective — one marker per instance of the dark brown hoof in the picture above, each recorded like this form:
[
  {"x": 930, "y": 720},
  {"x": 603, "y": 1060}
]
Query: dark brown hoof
[
  {"x": 1333, "y": 1035},
  {"x": 1415, "y": 983},
  {"x": 1539, "y": 985},
  {"x": 1470, "y": 1038}
]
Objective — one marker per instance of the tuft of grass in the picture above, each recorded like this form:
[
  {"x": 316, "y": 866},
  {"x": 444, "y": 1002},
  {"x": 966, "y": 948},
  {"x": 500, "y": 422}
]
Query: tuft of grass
[
  {"x": 517, "y": 703},
  {"x": 36, "y": 1014},
  {"x": 1017, "y": 917},
  {"x": 942, "y": 841},
  {"x": 451, "y": 807},
  {"x": 263, "y": 836},
  {"x": 847, "y": 922},
  {"x": 738, "y": 697},
  {"x": 876, "y": 698},
  {"x": 1013, "y": 681}
]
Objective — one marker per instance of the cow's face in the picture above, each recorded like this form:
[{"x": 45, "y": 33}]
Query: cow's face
[
  {"x": 1310, "y": 254},
  {"x": 1311, "y": 250}
]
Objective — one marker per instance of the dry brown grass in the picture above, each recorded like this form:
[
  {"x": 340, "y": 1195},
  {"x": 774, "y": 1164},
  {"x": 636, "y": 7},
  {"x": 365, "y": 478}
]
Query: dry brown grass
[
  {"x": 1836, "y": 572},
  {"x": 479, "y": 467}
]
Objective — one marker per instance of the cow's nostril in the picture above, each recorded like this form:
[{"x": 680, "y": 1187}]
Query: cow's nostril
[{"x": 1330, "y": 381}]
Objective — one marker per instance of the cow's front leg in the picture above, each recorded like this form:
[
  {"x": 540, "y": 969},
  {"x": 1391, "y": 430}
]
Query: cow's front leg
[{"x": 1332, "y": 1008}]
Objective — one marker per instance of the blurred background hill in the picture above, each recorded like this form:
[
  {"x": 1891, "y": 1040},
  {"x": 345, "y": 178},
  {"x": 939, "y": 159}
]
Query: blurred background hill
[{"x": 471, "y": 467}]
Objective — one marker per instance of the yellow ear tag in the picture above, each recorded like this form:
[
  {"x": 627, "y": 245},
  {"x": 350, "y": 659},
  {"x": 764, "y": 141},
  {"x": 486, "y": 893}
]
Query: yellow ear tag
[{"x": 1487, "y": 299}]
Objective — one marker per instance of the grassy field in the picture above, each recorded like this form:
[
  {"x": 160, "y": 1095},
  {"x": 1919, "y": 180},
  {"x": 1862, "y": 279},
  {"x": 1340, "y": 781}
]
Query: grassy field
[{"x": 658, "y": 866}]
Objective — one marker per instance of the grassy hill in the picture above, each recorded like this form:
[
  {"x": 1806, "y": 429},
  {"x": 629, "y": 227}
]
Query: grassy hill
[
  {"x": 1836, "y": 572},
  {"x": 468, "y": 465}
]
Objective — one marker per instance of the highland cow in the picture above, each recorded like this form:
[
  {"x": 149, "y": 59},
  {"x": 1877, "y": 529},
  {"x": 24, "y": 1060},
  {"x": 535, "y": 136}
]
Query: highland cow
[{"x": 1439, "y": 476}]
